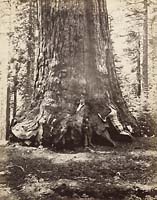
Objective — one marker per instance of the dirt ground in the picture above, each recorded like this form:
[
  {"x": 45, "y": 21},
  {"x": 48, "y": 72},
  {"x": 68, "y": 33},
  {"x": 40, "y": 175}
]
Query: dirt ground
[{"x": 127, "y": 172}]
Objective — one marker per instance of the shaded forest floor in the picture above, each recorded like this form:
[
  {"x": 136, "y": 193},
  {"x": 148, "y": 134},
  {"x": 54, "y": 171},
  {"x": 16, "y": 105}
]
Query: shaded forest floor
[{"x": 127, "y": 172}]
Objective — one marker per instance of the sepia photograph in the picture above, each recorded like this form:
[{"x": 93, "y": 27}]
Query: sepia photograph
[{"x": 78, "y": 99}]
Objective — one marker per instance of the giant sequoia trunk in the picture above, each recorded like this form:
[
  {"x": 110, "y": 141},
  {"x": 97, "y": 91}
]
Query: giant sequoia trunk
[{"x": 76, "y": 77}]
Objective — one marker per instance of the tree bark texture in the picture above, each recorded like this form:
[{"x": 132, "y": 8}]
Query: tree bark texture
[
  {"x": 76, "y": 77},
  {"x": 145, "y": 50}
]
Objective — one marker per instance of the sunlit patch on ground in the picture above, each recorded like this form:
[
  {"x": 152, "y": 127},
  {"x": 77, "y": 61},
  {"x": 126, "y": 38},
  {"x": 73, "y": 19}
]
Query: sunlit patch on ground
[{"x": 126, "y": 172}]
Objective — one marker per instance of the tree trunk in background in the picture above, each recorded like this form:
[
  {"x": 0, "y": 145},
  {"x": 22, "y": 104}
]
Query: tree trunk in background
[
  {"x": 8, "y": 113},
  {"x": 153, "y": 75},
  {"x": 139, "y": 69},
  {"x": 76, "y": 76},
  {"x": 15, "y": 91},
  {"x": 145, "y": 50},
  {"x": 31, "y": 51},
  {"x": 3, "y": 101}
]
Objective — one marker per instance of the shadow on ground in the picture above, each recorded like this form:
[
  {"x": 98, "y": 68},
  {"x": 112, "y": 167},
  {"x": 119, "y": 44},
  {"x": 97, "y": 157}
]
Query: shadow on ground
[{"x": 127, "y": 172}]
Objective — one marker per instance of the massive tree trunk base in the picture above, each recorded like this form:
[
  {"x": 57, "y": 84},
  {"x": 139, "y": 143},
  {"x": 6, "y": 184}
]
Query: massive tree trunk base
[
  {"x": 76, "y": 79},
  {"x": 86, "y": 125}
]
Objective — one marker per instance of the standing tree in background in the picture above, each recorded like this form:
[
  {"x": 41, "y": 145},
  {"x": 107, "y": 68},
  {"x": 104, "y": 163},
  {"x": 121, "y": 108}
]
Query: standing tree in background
[
  {"x": 75, "y": 75},
  {"x": 5, "y": 18},
  {"x": 138, "y": 12},
  {"x": 22, "y": 58},
  {"x": 134, "y": 53},
  {"x": 30, "y": 43},
  {"x": 145, "y": 49}
]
